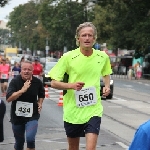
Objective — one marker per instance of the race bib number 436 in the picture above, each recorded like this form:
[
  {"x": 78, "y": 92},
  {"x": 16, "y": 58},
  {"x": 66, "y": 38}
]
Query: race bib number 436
[
  {"x": 86, "y": 97},
  {"x": 24, "y": 109}
]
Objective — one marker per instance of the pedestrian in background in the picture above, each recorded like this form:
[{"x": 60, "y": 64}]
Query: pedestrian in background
[
  {"x": 8, "y": 61},
  {"x": 78, "y": 73},
  {"x": 138, "y": 71},
  {"x": 37, "y": 69},
  {"x": 26, "y": 93},
  {"x": 2, "y": 113},
  {"x": 22, "y": 60},
  {"x": 16, "y": 69},
  {"x": 130, "y": 73},
  {"x": 4, "y": 76},
  {"x": 141, "y": 140}
]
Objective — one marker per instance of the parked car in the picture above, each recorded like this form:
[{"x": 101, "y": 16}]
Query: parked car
[
  {"x": 111, "y": 88},
  {"x": 47, "y": 68}
]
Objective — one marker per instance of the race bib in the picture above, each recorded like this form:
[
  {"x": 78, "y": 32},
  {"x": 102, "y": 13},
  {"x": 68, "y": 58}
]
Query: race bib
[
  {"x": 86, "y": 97},
  {"x": 4, "y": 76},
  {"x": 24, "y": 109},
  {"x": 16, "y": 72}
]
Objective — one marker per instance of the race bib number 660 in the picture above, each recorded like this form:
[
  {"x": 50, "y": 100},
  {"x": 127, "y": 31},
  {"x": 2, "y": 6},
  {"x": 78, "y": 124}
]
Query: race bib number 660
[
  {"x": 24, "y": 109},
  {"x": 86, "y": 97}
]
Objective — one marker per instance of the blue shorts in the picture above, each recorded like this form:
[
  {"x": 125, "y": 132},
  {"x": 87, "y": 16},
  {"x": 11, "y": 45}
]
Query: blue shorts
[{"x": 79, "y": 130}]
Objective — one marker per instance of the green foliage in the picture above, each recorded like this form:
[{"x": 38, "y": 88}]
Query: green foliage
[
  {"x": 123, "y": 23},
  {"x": 4, "y": 36},
  {"x": 3, "y": 3},
  {"x": 120, "y": 23},
  {"x": 61, "y": 21},
  {"x": 22, "y": 22}
]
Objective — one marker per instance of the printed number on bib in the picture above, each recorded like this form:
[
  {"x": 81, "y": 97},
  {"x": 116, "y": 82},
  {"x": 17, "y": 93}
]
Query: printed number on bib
[
  {"x": 86, "y": 97},
  {"x": 24, "y": 109},
  {"x": 3, "y": 76}
]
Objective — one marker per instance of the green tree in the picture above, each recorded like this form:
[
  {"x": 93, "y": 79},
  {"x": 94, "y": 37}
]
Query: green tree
[
  {"x": 22, "y": 22},
  {"x": 61, "y": 20},
  {"x": 123, "y": 23},
  {"x": 4, "y": 36},
  {"x": 3, "y": 2}
]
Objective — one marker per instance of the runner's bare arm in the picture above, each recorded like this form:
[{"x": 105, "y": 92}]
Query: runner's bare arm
[
  {"x": 106, "y": 80},
  {"x": 65, "y": 86},
  {"x": 106, "y": 89}
]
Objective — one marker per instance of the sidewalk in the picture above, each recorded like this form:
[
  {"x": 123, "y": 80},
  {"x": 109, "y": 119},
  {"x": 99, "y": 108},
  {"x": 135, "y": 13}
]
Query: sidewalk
[
  {"x": 57, "y": 140},
  {"x": 116, "y": 76}
]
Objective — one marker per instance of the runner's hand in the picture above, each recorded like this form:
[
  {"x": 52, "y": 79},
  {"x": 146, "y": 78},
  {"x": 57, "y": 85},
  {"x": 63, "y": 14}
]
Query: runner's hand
[
  {"x": 78, "y": 85},
  {"x": 26, "y": 86},
  {"x": 39, "y": 107},
  {"x": 106, "y": 91}
]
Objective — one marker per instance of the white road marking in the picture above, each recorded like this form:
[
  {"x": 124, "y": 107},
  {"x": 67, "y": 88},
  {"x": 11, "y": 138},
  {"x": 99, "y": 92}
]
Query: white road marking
[
  {"x": 118, "y": 99},
  {"x": 115, "y": 106},
  {"x": 127, "y": 85},
  {"x": 131, "y": 89},
  {"x": 139, "y": 82},
  {"x": 122, "y": 145}
]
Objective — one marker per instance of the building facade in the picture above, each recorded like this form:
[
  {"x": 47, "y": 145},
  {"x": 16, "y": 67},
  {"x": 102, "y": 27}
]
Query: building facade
[{"x": 3, "y": 25}]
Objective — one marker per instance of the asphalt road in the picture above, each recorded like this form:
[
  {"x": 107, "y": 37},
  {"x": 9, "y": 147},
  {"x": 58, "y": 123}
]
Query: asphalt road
[{"x": 122, "y": 115}]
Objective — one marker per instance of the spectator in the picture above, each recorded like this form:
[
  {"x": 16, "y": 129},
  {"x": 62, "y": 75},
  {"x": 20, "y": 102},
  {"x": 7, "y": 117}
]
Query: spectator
[
  {"x": 141, "y": 139},
  {"x": 137, "y": 70},
  {"x": 2, "y": 113}
]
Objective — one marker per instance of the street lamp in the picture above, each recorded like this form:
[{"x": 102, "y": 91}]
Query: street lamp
[
  {"x": 12, "y": 37},
  {"x": 20, "y": 43},
  {"x": 28, "y": 49},
  {"x": 47, "y": 47}
]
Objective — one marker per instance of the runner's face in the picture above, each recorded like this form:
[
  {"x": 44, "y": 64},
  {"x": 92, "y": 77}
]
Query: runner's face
[
  {"x": 86, "y": 38},
  {"x": 17, "y": 64},
  {"x": 4, "y": 61},
  {"x": 36, "y": 62},
  {"x": 26, "y": 71}
]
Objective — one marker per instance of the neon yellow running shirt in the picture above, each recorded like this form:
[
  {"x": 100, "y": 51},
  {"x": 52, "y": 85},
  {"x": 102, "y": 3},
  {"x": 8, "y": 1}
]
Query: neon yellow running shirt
[{"x": 81, "y": 69}]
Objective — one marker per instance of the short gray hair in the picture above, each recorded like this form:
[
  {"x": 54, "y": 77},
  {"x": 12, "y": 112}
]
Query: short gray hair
[
  {"x": 26, "y": 61},
  {"x": 83, "y": 25}
]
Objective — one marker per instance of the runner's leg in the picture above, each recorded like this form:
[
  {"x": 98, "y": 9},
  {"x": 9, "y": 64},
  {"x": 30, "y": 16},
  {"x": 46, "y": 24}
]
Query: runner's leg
[
  {"x": 2, "y": 86},
  {"x": 92, "y": 130},
  {"x": 91, "y": 141},
  {"x": 5, "y": 86},
  {"x": 31, "y": 130},
  {"x": 19, "y": 134},
  {"x": 73, "y": 143}
]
